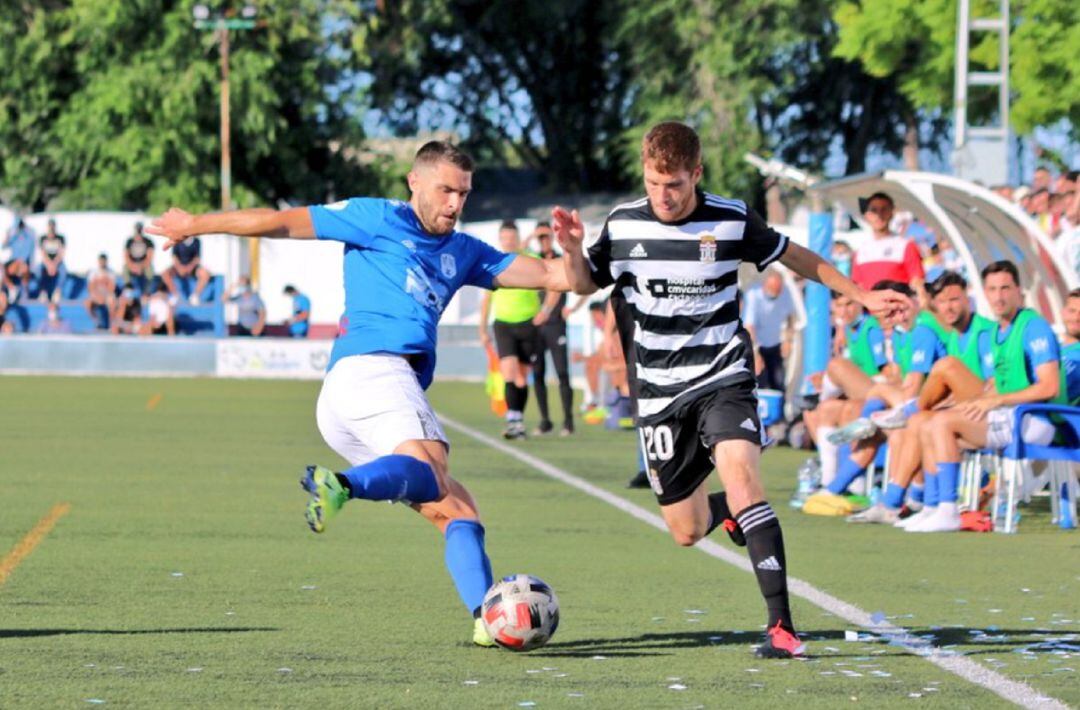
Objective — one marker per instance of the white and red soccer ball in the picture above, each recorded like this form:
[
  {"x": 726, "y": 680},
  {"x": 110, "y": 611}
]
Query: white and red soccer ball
[{"x": 520, "y": 612}]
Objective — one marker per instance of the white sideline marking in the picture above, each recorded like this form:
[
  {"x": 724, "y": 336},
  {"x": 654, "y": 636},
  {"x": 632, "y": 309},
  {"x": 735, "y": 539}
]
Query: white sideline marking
[{"x": 1011, "y": 690}]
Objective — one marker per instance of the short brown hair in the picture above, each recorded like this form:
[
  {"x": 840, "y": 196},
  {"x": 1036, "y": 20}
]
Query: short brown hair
[
  {"x": 671, "y": 146},
  {"x": 434, "y": 152},
  {"x": 1002, "y": 267}
]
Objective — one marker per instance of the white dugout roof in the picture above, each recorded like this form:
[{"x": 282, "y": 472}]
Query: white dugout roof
[{"x": 982, "y": 226}]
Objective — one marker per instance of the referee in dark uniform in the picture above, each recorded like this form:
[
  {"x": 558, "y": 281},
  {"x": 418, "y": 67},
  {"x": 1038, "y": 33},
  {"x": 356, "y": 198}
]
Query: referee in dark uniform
[
  {"x": 672, "y": 258},
  {"x": 552, "y": 333}
]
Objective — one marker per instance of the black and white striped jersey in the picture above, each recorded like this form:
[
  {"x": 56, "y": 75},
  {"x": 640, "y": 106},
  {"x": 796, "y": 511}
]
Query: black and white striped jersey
[{"x": 677, "y": 285}]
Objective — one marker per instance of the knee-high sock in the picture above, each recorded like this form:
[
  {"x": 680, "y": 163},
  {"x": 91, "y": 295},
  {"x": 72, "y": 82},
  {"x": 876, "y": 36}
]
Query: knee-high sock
[
  {"x": 718, "y": 510},
  {"x": 765, "y": 543},
  {"x": 930, "y": 494},
  {"x": 393, "y": 477},
  {"x": 894, "y": 496},
  {"x": 515, "y": 402},
  {"x": 468, "y": 563},
  {"x": 915, "y": 493},
  {"x": 847, "y": 472},
  {"x": 872, "y": 405},
  {"x": 948, "y": 480}
]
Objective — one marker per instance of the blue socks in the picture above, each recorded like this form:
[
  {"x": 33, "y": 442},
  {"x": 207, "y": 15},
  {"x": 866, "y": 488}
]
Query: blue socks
[
  {"x": 948, "y": 482},
  {"x": 846, "y": 472},
  {"x": 894, "y": 496},
  {"x": 395, "y": 477},
  {"x": 872, "y": 405},
  {"x": 467, "y": 562},
  {"x": 910, "y": 409},
  {"x": 916, "y": 493},
  {"x": 930, "y": 499}
]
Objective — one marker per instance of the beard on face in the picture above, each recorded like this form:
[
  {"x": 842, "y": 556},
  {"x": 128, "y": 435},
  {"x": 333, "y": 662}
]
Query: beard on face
[{"x": 432, "y": 219}]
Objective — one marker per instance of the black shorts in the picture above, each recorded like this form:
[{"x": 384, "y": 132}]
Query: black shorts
[
  {"x": 679, "y": 447},
  {"x": 520, "y": 340}
]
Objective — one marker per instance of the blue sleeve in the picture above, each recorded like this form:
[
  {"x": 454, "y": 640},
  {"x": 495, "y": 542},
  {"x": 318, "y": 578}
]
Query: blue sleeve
[
  {"x": 924, "y": 349},
  {"x": 350, "y": 221},
  {"x": 1040, "y": 344},
  {"x": 487, "y": 263},
  {"x": 876, "y": 339},
  {"x": 986, "y": 354}
]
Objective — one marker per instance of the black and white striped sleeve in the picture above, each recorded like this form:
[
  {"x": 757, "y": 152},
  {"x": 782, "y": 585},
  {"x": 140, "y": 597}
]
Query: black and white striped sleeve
[
  {"x": 599, "y": 256},
  {"x": 761, "y": 244}
]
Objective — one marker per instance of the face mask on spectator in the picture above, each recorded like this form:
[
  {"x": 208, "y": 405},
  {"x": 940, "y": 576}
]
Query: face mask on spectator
[{"x": 842, "y": 264}]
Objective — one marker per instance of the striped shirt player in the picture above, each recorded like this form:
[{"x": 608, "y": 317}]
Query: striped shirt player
[
  {"x": 678, "y": 284},
  {"x": 672, "y": 259}
]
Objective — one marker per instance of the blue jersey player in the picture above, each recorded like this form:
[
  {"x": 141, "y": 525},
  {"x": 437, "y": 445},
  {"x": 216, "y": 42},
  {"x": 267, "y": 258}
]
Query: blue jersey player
[{"x": 403, "y": 263}]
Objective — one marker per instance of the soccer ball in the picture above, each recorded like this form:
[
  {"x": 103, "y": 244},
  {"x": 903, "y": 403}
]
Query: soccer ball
[{"x": 520, "y": 612}]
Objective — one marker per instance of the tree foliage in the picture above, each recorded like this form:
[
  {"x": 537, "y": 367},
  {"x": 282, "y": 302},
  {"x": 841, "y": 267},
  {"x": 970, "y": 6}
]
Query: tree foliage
[
  {"x": 915, "y": 41},
  {"x": 540, "y": 79},
  {"x": 116, "y": 104}
]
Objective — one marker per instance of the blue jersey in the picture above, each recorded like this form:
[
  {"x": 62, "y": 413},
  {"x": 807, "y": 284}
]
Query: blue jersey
[
  {"x": 926, "y": 347},
  {"x": 300, "y": 303},
  {"x": 399, "y": 278},
  {"x": 1070, "y": 361}
]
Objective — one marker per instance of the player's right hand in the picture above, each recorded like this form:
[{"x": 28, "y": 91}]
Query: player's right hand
[
  {"x": 569, "y": 231},
  {"x": 175, "y": 225}
]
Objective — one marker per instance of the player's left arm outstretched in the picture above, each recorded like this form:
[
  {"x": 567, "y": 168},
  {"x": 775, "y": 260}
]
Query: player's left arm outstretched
[
  {"x": 887, "y": 306},
  {"x": 176, "y": 225}
]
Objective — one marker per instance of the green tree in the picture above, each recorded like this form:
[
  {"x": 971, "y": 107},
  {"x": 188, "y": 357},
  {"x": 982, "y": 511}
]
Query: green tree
[
  {"x": 915, "y": 41},
  {"x": 541, "y": 79},
  {"x": 115, "y": 105}
]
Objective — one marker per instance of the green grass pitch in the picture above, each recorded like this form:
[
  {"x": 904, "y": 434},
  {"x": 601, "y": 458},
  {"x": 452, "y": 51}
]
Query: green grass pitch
[{"x": 184, "y": 575}]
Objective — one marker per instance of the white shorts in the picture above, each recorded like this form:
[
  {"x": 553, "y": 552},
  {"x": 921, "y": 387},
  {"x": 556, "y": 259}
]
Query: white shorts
[
  {"x": 1001, "y": 423},
  {"x": 371, "y": 404}
]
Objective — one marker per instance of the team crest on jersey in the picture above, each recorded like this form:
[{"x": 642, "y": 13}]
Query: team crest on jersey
[
  {"x": 708, "y": 248},
  {"x": 449, "y": 266}
]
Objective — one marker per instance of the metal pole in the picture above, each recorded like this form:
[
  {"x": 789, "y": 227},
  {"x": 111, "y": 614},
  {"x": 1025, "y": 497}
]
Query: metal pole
[{"x": 226, "y": 165}]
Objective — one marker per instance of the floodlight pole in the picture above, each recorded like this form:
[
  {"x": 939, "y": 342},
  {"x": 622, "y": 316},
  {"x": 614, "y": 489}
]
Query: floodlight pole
[{"x": 221, "y": 27}]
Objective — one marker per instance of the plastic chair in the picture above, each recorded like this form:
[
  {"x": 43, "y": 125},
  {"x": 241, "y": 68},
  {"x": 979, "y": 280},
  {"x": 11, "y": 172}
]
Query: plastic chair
[
  {"x": 1064, "y": 450},
  {"x": 972, "y": 466}
]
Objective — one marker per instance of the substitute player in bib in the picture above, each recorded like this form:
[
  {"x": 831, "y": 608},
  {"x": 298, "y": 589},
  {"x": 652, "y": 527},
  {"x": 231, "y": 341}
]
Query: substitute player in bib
[
  {"x": 673, "y": 259},
  {"x": 403, "y": 263}
]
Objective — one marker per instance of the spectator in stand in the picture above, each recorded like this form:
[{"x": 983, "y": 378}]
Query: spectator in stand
[
  {"x": 300, "y": 320},
  {"x": 841, "y": 257},
  {"x": 1003, "y": 191},
  {"x": 52, "y": 272},
  {"x": 186, "y": 265},
  {"x": 1041, "y": 179},
  {"x": 139, "y": 262},
  {"x": 767, "y": 311},
  {"x": 1068, "y": 242},
  {"x": 251, "y": 316},
  {"x": 1066, "y": 182},
  {"x": 53, "y": 323},
  {"x": 16, "y": 272},
  {"x": 101, "y": 289},
  {"x": 160, "y": 320},
  {"x": 6, "y": 326},
  {"x": 127, "y": 318},
  {"x": 886, "y": 257},
  {"x": 1039, "y": 208}
]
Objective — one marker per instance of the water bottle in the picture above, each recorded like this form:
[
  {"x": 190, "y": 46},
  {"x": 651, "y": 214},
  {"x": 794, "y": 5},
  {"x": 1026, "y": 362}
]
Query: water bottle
[{"x": 809, "y": 477}]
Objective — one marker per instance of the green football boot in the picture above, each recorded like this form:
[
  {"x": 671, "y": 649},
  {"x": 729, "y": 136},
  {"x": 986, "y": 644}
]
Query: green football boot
[
  {"x": 325, "y": 496},
  {"x": 480, "y": 636}
]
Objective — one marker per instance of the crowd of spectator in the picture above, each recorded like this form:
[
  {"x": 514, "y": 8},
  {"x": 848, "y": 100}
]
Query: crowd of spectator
[{"x": 134, "y": 301}]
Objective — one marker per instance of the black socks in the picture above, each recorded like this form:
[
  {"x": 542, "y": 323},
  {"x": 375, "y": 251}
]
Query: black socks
[{"x": 765, "y": 543}]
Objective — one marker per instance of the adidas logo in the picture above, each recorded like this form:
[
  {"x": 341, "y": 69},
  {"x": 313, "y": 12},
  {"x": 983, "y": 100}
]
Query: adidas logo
[
  {"x": 638, "y": 252},
  {"x": 769, "y": 564},
  {"x": 748, "y": 424}
]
